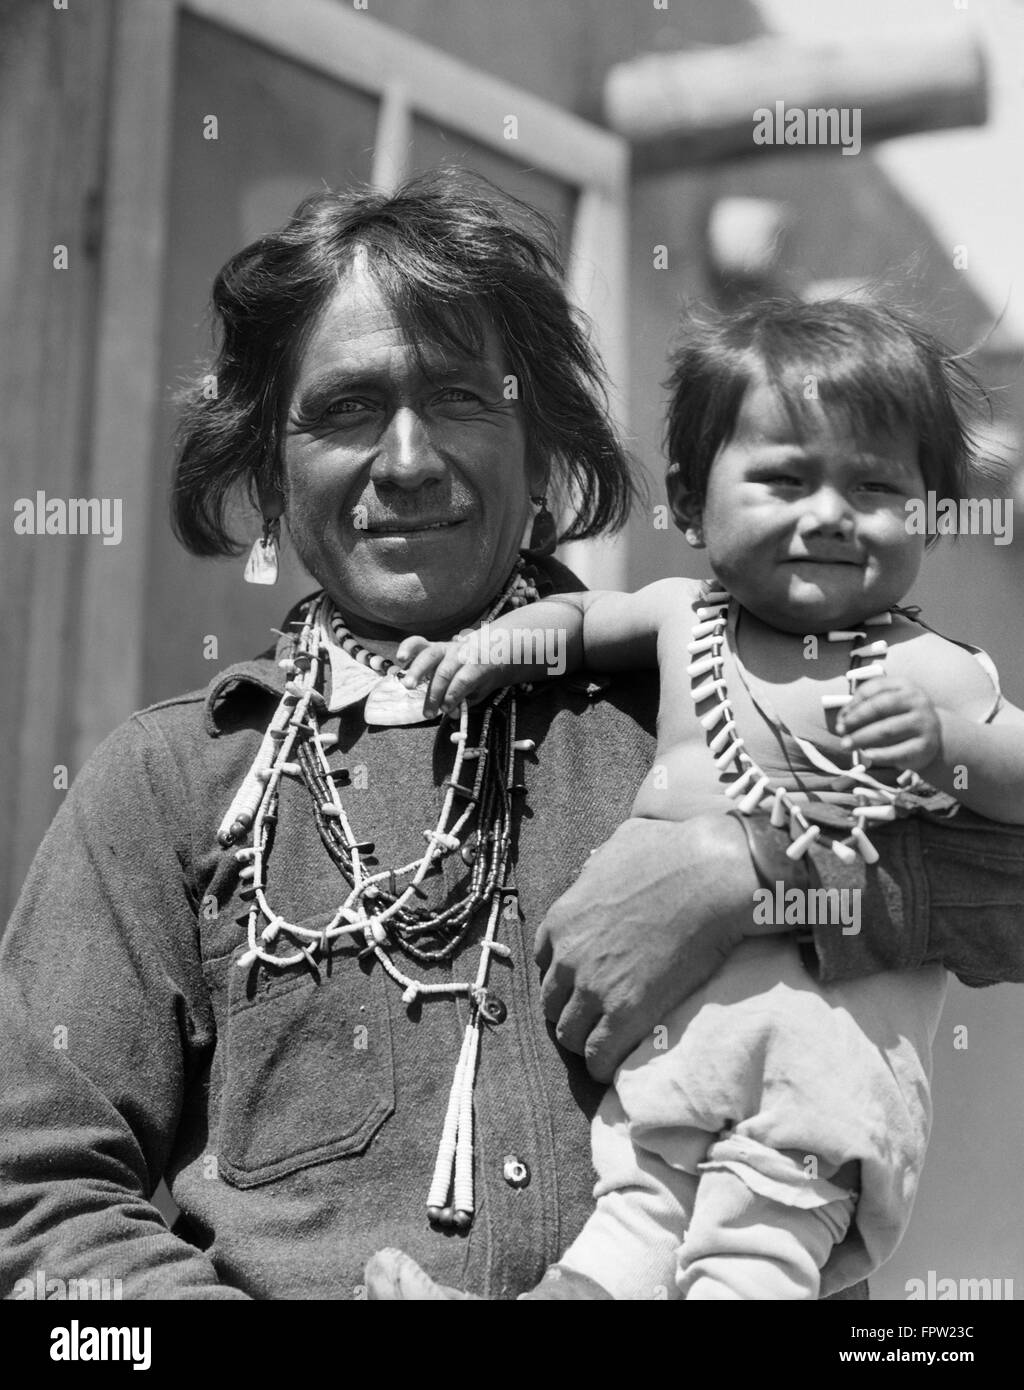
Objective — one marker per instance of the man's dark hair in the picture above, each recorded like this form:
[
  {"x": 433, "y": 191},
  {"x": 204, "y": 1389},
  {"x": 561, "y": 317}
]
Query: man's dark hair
[
  {"x": 879, "y": 367},
  {"x": 450, "y": 254}
]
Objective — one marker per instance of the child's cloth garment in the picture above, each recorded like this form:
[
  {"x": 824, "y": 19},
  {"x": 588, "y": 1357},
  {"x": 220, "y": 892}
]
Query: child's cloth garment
[{"x": 782, "y": 1083}]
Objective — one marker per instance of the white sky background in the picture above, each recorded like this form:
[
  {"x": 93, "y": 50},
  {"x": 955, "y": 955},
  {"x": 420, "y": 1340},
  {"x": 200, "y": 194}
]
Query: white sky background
[{"x": 969, "y": 183}]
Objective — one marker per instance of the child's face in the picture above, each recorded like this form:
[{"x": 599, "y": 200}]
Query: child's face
[{"x": 806, "y": 525}]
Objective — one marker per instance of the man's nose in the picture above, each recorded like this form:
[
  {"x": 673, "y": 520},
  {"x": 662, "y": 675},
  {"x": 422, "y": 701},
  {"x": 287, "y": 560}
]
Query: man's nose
[
  {"x": 827, "y": 510},
  {"x": 407, "y": 457}
]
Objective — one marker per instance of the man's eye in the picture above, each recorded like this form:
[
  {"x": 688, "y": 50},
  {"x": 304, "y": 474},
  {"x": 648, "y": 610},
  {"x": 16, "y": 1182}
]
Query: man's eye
[
  {"x": 876, "y": 485},
  {"x": 780, "y": 480},
  {"x": 347, "y": 405},
  {"x": 457, "y": 395}
]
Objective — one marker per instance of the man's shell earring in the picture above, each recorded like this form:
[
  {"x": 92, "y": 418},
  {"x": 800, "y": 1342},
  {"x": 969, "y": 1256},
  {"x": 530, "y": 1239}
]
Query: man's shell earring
[
  {"x": 543, "y": 533},
  {"x": 261, "y": 566}
]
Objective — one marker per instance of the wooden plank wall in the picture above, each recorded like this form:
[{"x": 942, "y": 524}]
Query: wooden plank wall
[{"x": 52, "y": 65}]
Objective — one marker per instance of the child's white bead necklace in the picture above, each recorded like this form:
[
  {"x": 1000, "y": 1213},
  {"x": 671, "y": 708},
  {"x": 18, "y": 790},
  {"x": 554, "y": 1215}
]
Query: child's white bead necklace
[{"x": 751, "y": 788}]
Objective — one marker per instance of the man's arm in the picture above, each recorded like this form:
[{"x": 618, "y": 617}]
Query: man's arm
[
  {"x": 104, "y": 1020},
  {"x": 658, "y": 908}
]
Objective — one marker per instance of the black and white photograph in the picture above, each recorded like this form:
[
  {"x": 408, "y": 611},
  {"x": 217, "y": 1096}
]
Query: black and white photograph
[{"x": 514, "y": 686}]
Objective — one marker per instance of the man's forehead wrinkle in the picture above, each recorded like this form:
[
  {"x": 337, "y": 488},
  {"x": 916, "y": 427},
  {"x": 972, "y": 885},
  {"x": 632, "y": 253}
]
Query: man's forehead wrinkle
[
  {"x": 387, "y": 357},
  {"x": 396, "y": 362},
  {"x": 362, "y": 337},
  {"x": 456, "y": 347},
  {"x": 461, "y": 324}
]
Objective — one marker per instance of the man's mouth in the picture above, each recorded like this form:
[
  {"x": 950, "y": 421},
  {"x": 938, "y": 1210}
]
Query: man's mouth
[
  {"x": 823, "y": 560},
  {"x": 407, "y": 528}
]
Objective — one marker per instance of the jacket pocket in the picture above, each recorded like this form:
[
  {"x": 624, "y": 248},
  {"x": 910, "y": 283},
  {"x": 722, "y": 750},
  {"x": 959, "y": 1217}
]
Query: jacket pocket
[{"x": 308, "y": 1071}]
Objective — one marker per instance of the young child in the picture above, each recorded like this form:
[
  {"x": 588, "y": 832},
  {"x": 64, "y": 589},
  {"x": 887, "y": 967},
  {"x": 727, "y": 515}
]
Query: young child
[{"x": 767, "y": 1142}]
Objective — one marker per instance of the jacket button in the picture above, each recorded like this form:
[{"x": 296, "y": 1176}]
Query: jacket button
[
  {"x": 494, "y": 1009},
  {"x": 515, "y": 1172}
]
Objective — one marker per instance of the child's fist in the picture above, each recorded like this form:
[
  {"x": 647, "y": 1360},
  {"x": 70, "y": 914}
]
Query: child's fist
[
  {"x": 451, "y": 671},
  {"x": 892, "y": 722}
]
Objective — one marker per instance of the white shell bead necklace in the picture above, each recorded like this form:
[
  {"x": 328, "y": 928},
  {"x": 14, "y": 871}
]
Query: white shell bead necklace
[
  {"x": 294, "y": 746},
  {"x": 751, "y": 788}
]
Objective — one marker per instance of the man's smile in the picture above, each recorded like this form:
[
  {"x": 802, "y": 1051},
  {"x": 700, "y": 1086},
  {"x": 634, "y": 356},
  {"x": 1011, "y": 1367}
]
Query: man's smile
[
  {"x": 409, "y": 528},
  {"x": 823, "y": 560}
]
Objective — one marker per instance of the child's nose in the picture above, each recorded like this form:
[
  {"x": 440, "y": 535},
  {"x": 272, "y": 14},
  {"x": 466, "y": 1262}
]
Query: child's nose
[{"x": 827, "y": 510}]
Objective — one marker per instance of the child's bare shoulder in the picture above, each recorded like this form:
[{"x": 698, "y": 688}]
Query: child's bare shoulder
[{"x": 951, "y": 675}]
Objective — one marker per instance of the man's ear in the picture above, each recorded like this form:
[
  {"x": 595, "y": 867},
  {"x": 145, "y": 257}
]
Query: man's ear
[{"x": 687, "y": 509}]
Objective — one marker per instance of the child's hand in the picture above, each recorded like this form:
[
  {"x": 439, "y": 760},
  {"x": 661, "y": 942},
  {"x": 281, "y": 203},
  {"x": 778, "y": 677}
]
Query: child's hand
[
  {"x": 451, "y": 671},
  {"x": 891, "y": 721}
]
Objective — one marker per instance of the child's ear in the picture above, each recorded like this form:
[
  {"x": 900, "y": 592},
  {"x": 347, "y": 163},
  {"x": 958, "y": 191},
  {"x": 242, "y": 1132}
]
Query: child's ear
[{"x": 686, "y": 510}]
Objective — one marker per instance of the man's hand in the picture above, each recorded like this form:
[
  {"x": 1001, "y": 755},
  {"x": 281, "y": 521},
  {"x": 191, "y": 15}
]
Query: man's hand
[
  {"x": 655, "y": 912},
  {"x": 392, "y": 1276},
  {"x": 893, "y": 723}
]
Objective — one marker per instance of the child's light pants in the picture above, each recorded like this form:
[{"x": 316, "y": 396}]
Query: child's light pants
[{"x": 767, "y": 1141}]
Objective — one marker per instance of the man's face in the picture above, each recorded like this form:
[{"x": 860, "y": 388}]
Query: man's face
[
  {"x": 805, "y": 524},
  {"x": 406, "y": 487}
]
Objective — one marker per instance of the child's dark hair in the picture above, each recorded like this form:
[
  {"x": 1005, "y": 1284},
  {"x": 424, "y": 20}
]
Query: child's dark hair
[{"x": 880, "y": 367}]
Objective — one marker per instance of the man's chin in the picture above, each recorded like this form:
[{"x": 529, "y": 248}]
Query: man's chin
[{"x": 420, "y": 603}]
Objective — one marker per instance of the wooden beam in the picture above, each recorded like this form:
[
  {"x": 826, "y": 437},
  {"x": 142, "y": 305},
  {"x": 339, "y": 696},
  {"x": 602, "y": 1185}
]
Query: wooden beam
[
  {"x": 681, "y": 109},
  {"x": 367, "y": 54}
]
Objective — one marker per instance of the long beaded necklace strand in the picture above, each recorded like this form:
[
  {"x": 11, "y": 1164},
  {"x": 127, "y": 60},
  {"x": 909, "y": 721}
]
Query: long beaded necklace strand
[
  {"x": 751, "y": 787},
  {"x": 378, "y": 907}
]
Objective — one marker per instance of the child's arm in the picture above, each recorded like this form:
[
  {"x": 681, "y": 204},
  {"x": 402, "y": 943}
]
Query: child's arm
[
  {"x": 896, "y": 723},
  {"x": 605, "y": 630}
]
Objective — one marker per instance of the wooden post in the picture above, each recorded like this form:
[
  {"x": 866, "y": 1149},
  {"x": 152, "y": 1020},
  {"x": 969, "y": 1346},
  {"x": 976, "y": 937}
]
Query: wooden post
[
  {"x": 599, "y": 249},
  {"x": 393, "y": 141},
  {"x": 691, "y": 108},
  {"x": 127, "y": 367},
  {"x": 52, "y": 65}
]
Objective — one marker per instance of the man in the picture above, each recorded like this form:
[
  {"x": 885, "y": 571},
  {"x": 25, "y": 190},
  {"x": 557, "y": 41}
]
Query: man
[{"x": 237, "y": 962}]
